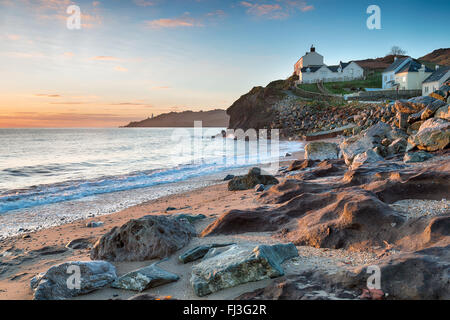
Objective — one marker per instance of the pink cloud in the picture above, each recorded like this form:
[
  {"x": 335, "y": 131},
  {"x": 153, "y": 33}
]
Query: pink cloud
[
  {"x": 105, "y": 58},
  {"x": 173, "y": 23}
]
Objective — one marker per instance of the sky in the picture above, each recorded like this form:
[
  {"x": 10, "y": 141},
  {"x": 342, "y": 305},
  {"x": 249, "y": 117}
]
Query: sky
[{"x": 134, "y": 58}]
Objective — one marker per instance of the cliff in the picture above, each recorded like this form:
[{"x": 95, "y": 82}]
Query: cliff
[{"x": 214, "y": 118}]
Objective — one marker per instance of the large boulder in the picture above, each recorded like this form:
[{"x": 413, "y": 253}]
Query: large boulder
[
  {"x": 367, "y": 140},
  {"x": 240, "y": 264},
  {"x": 397, "y": 146},
  {"x": 145, "y": 278},
  {"x": 251, "y": 180},
  {"x": 433, "y": 135},
  {"x": 321, "y": 151},
  {"x": 150, "y": 237},
  {"x": 443, "y": 113},
  {"x": 60, "y": 282},
  {"x": 369, "y": 156}
]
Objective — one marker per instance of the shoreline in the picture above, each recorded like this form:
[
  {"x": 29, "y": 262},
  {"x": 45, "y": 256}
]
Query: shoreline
[{"x": 97, "y": 206}]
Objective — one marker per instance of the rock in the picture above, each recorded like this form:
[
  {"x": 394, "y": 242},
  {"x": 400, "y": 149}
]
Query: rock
[
  {"x": 443, "y": 113},
  {"x": 190, "y": 217},
  {"x": 397, "y": 146},
  {"x": 199, "y": 252},
  {"x": 321, "y": 151},
  {"x": 402, "y": 119},
  {"x": 259, "y": 188},
  {"x": 366, "y": 140},
  {"x": 416, "y": 125},
  {"x": 421, "y": 275},
  {"x": 249, "y": 181},
  {"x": 228, "y": 177},
  {"x": 53, "y": 284},
  {"x": 430, "y": 110},
  {"x": 150, "y": 237},
  {"x": 94, "y": 224},
  {"x": 240, "y": 264},
  {"x": 144, "y": 278},
  {"x": 434, "y": 134},
  {"x": 366, "y": 157},
  {"x": 149, "y": 297},
  {"x": 300, "y": 165},
  {"x": 419, "y": 156},
  {"x": 79, "y": 244},
  {"x": 171, "y": 209},
  {"x": 407, "y": 107}
]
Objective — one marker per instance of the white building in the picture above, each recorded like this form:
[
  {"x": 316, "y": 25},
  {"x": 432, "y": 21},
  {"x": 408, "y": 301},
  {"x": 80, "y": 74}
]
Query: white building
[
  {"x": 311, "y": 69},
  {"x": 389, "y": 72},
  {"x": 412, "y": 75},
  {"x": 435, "y": 80}
]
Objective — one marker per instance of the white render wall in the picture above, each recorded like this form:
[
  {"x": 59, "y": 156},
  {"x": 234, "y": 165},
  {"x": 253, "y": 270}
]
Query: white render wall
[
  {"x": 351, "y": 72},
  {"x": 411, "y": 80}
]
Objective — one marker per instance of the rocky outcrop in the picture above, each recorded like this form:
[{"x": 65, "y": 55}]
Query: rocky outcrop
[
  {"x": 368, "y": 140},
  {"x": 251, "y": 180},
  {"x": 240, "y": 264},
  {"x": 147, "y": 238},
  {"x": 352, "y": 212},
  {"x": 434, "y": 134},
  {"x": 145, "y": 278},
  {"x": 255, "y": 110},
  {"x": 321, "y": 151},
  {"x": 71, "y": 279}
]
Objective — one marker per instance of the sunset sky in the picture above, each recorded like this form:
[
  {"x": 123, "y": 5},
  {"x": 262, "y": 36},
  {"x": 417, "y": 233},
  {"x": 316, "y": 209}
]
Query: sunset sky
[{"x": 134, "y": 58}]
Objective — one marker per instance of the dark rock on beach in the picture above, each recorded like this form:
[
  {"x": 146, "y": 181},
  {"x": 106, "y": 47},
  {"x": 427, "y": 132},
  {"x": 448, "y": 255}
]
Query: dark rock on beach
[
  {"x": 54, "y": 283},
  {"x": 147, "y": 238},
  {"x": 249, "y": 181}
]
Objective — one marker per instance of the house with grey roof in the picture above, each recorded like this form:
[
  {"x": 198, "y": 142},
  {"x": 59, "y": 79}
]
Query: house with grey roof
[
  {"x": 311, "y": 69},
  {"x": 411, "y": 75},
  {"x": 388, "y": 75},
  {"x": 440, "y": 76}
]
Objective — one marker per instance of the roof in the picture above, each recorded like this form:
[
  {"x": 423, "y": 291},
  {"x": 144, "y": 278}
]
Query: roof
[
  {"x": 437, "y": 75},
  {"x": 413, "y": 66},
  {"x": 396, "y": 64},
  {"x": 312, "y": 68}
]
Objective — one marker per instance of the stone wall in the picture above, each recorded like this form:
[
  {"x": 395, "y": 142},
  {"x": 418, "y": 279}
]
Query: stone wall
[{"x": 385, "y": 95}]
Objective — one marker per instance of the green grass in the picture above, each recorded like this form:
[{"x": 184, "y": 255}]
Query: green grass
[
  {"x": 372, "y": 81},
  {"x": 312, "y": 87}
]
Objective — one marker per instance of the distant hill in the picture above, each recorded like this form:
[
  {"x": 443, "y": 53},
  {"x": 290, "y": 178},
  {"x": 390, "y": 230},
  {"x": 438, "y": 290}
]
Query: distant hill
[
  {"x": 377, "y": 64},
  {"x": 439, "y": 56},
  {"x": 214, "y": 118}
]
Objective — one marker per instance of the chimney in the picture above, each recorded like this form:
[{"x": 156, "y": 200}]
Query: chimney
[{"x": 313, "y": 49}]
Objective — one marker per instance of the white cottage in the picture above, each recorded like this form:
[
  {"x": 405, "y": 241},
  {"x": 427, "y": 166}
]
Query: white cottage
[
  {"x": 311, "y": 69},
  {"x": 389, "y": 72},
  {"x": 435, "y": 80}
]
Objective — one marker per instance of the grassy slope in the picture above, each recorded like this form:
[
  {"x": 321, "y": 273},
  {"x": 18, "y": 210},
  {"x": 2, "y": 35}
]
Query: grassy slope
[{"x": 372, "y": 81}]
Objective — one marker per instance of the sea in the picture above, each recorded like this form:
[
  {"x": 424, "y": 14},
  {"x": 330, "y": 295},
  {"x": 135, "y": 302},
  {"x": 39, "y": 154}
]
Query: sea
[{"x": 53, "y": 176}]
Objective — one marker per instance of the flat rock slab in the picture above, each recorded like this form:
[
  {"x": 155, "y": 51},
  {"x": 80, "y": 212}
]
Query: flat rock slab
[
  {"x": 199, "y": 252},
  {"x": 147, "y": 238},
  {"x": 190, "y": 217},
  {"x": 240, "y": 264},
  {"x": 145, "y": 278},
  {"x": 71, "y": 279}
]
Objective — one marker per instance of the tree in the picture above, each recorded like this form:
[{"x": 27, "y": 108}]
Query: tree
[{"x": 397, "y": 51}]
